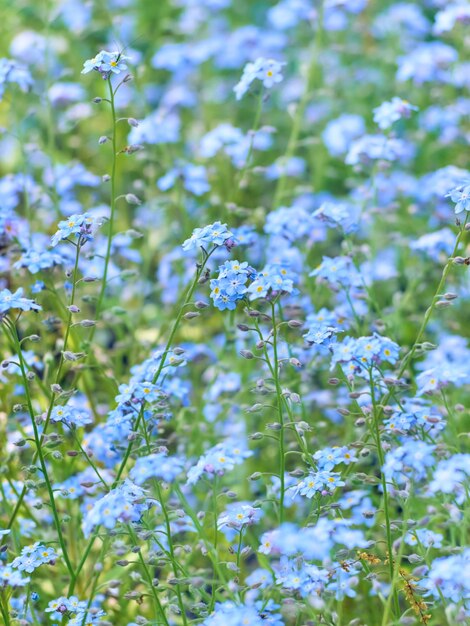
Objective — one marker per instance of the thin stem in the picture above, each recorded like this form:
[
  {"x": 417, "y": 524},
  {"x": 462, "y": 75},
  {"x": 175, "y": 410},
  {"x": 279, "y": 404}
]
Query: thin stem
[
  {"x": 149, "y": 578},
  {"x": 282, "y": 459},
  {"x": 171, "y": 550},
  {"x": 436, "y": 296},
  {"x": 381, "y": 456},
  {"x": 54, "y": 395},
  {"x": 42, "y": 461},
  {"x": 300, "y": 111},
  {"x": 254, "y": 130},
  {"x": 4, "y": 610},
  {"x": 99, "y": 305}
]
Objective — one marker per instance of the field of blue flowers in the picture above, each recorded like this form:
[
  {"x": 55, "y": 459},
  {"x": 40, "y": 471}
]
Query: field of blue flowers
[{"x": 234, "y": 306}]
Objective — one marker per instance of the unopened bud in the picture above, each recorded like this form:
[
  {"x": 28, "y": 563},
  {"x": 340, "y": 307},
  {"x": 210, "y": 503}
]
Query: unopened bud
[
  {"x": 243, "y": 327},
  {"x": 132, "y": 122},
  {"x": 247, "y": 354},
  {"x": 190, "y": 315},
  {"x": 103, "y": 139},
  {"x": 199, "y": 304},
  {"x": 87, "y": 323},
  {"x": 132, "y": 199},
  {"x": 443, "y": 304}
]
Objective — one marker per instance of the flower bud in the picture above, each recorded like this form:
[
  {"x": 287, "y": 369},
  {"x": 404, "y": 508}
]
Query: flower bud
[
  {"x": 132, "y": 199},
  {"x": 190, "y": 315}
]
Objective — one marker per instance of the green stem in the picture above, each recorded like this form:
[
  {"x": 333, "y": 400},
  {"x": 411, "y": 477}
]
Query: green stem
[
  {"x": 254, "y": 130},
  {"x": 277, "y": 383},
  {"x": 56, "y": 380},
  {"x": 99, "y": 305},
  {"x": 149, "y": 578},
  {"x": 300, "y": 111},
  {"x": 40, "y": 453},
  {"x": 436, "y": 296},
  {"x": 4, "y": 610},
  {"x": 381, "y": 456},
  {"x": 171, "y": 549}
]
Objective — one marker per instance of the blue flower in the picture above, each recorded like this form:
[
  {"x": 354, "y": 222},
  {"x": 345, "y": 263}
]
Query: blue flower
[
  {"x": 268, "y": 71},
  {"x": 323, "y": 482},
  {"x": 106, "y": 63},
  {"x": 70, "y": 415},
  {"x": 447, "y": 576},
  {"x": 32, "y": 557},
  {"x": 14, "y": 72},
  {"x": 461, "y": 196},
  {"x": 81, "y": 226},
  {"x": 389, "y": 112},
  {"x": 9, "y": 300},
  {"x": 158, "y": 465},
  {"x": 123, "y": 504},
  {"x": 215, "y": 234},
  {"x": 230, "y": 284}
]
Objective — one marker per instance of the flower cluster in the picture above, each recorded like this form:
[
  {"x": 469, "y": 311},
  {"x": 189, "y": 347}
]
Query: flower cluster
[
  {"x": 220, "y": 459},
  {"x": 268, "y": 71},
  {"x": 106, "y": 63},
  {"x": 81, "y": 227},
  {"x": 230, "y": 284},
  {"x": 216, "y": 234},
  {"x": 123, "y": 504},
  {"x": 33, "y": 556}
]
